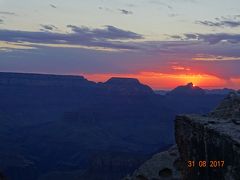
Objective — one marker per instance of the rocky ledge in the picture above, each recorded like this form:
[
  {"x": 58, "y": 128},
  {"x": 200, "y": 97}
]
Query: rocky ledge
[
  {"x": 209, "y": 146},
  {"x": 164, "y": 165}
]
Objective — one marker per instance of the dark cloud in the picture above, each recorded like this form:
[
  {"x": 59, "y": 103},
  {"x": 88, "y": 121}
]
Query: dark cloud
[
  {"x": 53, "y": 6},
  {"x": 175, "y": 37},
  {"x": 231, "y": 22},
  {"x": 209, "y": 23},
  {"x": 110, "y": 32},
  {"x": 125, "y": 12},
  {"x": 225, "y": 23},
  {"x": 215, "y": 38},
  {"x": 1, "y": 21},
  {"x": 109, "y": 37},
  {"x": 7, "y": 13},
  {"x": 191, "y": 36},
  {"x": 209, "y": 38},
  {"x": 48, "y": 27}
]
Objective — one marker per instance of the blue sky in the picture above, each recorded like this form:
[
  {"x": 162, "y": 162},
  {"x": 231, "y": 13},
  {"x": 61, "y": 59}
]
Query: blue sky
[{"x": 148, "y": 39}]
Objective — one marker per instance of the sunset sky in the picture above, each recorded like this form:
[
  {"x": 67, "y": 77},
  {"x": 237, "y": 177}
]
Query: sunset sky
[{"x": 163, "y": 43}]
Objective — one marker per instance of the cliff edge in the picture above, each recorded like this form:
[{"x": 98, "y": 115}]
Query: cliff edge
[{"x": 209, "y": 146}]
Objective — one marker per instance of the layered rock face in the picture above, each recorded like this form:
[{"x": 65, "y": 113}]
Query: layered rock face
[{"x": 214, "y": 139}]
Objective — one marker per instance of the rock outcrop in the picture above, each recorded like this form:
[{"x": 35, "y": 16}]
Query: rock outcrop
[
  {"x": 208, "y": 147},
  {"x": 162, "y": 166},
  {"x": 228, "y": 108},
  {"x": 211, "y": 143}
]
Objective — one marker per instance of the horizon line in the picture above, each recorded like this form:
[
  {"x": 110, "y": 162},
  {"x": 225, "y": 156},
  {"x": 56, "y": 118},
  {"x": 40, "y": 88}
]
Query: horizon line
[{"x": 79, "y": 75}]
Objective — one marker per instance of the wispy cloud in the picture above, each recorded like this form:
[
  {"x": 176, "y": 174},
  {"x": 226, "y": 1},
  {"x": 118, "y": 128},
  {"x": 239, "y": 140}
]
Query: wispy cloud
[
  {"x": 7, "y": 13},
  {"x": 125, "y": 12},
  {"x": 215, "y": 38},
  {"x": 231, "y": 22},
  {"x": 105, "y": 9},
  {"x": 207, "y": 57},
  {"x": 48, "y": 27},
  {"x": 109, "y": 32},
  {"x": 181, "y": 68},
  {"x": 53, "y": 6},
  {"x": 122, "y": 11}
]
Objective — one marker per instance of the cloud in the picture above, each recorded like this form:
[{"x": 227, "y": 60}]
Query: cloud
[
  {"x": 48, "y": 27},
  {"x": 110, "y": 32},
  {"x": 164, "y": 57},
  {"x": 225, "y": 23},
  {"x": 125, "y": 12},
  {"x": 7, "y": 13},
  {"x": 208, "y": 57},
  {"x": 175, "y": 36},
  {"x": 231, "y": 22},
  {"x": 109, "y": 37},
  {"x": 215, "y": 38},
  {"x": 181, "y": 68},
  {"x": 105, "y": 9},
  {"x": 53, "y": 6},
  {"x": 122, "y": 11},
  {"x": 1, "y": 21}
]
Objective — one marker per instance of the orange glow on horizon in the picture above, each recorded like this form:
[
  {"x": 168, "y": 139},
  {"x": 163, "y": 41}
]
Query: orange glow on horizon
[{"x": 170, "y": 81}]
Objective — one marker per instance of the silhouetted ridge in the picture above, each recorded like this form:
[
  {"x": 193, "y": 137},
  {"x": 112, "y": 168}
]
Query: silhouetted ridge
[
  {"x": 127, "y": 86},
  {"x": 43, "y": 80},
  {"x": 188, "y": 89},
  {"x": 61, "y": 127}
]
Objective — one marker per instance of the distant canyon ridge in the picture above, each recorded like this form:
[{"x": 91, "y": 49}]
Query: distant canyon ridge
[{"x": 66, "y": 127}]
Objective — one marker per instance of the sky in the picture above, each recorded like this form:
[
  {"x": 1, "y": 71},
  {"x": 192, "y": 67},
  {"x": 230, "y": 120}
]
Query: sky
[{"x": 163, "y": 43}]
